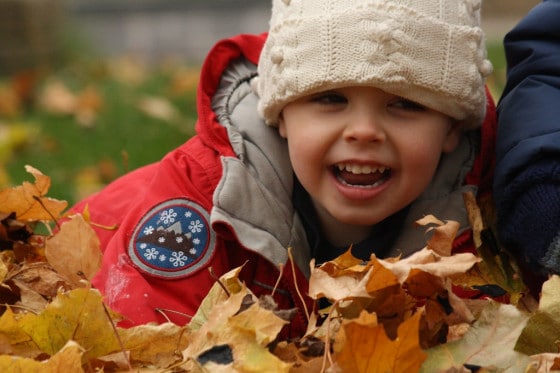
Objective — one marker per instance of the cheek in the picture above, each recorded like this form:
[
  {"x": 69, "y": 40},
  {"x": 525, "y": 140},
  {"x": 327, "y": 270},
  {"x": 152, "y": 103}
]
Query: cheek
[
  {"x": 421, "y": 156},
  {"x": 302, "y": 154},
  {"x": 307, "y": 156}
]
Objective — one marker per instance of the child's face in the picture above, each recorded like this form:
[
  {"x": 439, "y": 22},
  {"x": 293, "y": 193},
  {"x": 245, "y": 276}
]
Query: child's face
[{"x": 362, "y": 153}]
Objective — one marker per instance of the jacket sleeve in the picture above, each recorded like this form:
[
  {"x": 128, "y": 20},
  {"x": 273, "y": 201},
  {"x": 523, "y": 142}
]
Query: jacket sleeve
[{"x": 527, "y": 177}]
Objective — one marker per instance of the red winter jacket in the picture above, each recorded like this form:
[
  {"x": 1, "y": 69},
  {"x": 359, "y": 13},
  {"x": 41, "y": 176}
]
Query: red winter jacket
[{"x": 223, "y": 199}]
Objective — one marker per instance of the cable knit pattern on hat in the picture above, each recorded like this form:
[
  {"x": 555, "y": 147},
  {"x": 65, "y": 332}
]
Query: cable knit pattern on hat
[{"x": 429, "y": 51}]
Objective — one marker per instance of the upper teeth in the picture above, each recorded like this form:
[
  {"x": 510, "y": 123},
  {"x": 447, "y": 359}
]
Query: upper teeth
[{"x": 359, "y": 169}]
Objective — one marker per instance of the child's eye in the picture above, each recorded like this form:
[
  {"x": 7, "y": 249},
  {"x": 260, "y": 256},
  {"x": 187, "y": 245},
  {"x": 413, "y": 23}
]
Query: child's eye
[
  {"x": 330, "y": 98},
  {"x": 408, "y": 105}
]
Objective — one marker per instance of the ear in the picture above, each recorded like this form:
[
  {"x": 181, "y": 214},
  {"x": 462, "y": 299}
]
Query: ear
[
  {"x": 282, "y": 125},
  {"x": 453, "y": 137}
]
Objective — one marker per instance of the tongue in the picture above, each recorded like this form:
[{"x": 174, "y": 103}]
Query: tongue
[{"x": 360, "y": 179}]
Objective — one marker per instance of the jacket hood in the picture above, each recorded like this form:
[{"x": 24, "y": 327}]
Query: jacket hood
[
  {"x": 219, "y": 58},
  {"x": 253, "y": 200}
]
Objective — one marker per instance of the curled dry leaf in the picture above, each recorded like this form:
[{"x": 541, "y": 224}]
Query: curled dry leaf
[{"x": 442, "y": 235}]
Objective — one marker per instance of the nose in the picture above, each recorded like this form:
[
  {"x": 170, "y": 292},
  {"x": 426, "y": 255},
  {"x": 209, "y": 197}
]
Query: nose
[{"x": 365, "y": 125}]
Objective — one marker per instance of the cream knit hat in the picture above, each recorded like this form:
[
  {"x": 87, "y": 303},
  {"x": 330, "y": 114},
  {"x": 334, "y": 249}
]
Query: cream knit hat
[{"x": 428, "y": 51}]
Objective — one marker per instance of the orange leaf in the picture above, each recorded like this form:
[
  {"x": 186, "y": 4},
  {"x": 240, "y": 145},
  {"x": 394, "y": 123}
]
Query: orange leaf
[
  {"x": 381, "y": 278},
  {"x": 28, "y": 201},
  {"x": 366, "y": 347},
  {"x": 423, "y": 284}
]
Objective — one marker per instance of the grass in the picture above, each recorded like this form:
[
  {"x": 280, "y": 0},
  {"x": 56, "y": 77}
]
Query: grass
[{"x": 81, "y": 159}]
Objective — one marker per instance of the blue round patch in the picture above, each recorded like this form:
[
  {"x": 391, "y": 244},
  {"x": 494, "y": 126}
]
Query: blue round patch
[{"x": 172, "y": 240}]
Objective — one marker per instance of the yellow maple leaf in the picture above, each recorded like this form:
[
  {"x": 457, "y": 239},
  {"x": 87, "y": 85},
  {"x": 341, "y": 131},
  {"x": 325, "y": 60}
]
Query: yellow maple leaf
[
  {"x": 154, "y": 345},
  {"x": 13, "y": 340},
  {"x": 68, "y": 359},
  {"x": 77, "y": 315}
]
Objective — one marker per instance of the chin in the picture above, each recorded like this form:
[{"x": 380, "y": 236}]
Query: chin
[{"x": 357, "y": 220}]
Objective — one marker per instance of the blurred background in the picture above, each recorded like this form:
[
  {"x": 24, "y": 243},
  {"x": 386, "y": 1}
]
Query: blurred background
[{"x": 92, "y": 89}]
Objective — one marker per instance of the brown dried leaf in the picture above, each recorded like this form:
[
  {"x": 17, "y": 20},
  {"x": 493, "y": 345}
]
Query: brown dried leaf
[
  {"x": 41, "y": 277},
  {"x": 75, "y": 250},
  {"x": 30, "y": 299}
]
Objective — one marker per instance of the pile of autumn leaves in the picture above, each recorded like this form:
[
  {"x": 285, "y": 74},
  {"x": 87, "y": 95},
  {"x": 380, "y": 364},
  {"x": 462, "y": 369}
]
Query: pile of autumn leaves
[{"x": 393, "y": 315}]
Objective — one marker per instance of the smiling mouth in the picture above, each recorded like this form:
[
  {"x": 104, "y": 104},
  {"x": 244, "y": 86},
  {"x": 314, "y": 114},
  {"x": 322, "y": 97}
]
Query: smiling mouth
[{"x": 364, "y": 176}]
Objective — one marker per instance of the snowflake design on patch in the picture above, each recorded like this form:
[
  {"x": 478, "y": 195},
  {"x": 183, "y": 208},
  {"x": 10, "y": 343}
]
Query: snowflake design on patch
[
  {"x": 178, "y": 258},
  {"x": 151, "y": 253},
  {"x": 196, "y": 226},
  {"x": 172, "y": 240},
  {"x": 168, "y": 216}
]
